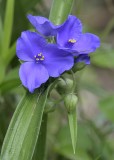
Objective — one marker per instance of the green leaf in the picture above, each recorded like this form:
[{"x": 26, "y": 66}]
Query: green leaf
[
  {"x": 2, "y": 70},
  {"x": 28, "y": 4},
  {"x": 8, "y": 85},
  {"x": 40, "y": 149},
  {"x": 72, "y": 117},
  {"x": 1, "y": 31},
  {"x": 23, "y": 132},
  {"x": 60, "y": 10},
  {"x": 7, "y": 28},
  {"x": 11, "y": 54},
  {"x": 107, "y": 107}
]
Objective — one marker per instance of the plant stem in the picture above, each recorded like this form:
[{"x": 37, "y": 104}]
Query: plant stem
[
  {"x": 58, "y": 14},
  {"x": 40, "y": 149}
]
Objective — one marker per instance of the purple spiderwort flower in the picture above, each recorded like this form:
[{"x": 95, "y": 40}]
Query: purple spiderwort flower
[
  {"x": 43, "y": 25},
  {"x": 41, "y": 60},
  {"x": 82, "y": 58},
  {"x": 70, "y": 37}
]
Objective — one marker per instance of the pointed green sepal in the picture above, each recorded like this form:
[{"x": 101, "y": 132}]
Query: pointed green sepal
[{"x": 72, "y": 118}]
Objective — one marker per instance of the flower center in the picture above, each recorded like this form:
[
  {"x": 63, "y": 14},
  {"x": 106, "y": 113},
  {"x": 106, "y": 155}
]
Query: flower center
[
  {"x": 72, "y": 40},
  {"x": 39, "y": 57}
]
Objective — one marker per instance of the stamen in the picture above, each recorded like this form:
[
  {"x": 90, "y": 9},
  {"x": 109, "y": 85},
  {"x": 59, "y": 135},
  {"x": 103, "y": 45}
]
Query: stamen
[
  {"x": 40, "y": 54},
  {"x": 39, "y": 57},
  {"x": 72, "y": 40}
]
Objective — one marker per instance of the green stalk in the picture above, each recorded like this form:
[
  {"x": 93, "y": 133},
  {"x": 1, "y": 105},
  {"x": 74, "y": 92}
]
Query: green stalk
[
  {"x": 7, "y": 28},
  {"x": 39, "y": 153},
  {"x": 60, "y": 10}
]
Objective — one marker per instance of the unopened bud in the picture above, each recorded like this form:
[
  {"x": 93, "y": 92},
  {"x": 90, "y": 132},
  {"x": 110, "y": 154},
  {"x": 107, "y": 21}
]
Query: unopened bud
[
  {"x": 65, "y": 86},
  {"x": 70, "y": 102},
  {"x": 78, "y": 66}
]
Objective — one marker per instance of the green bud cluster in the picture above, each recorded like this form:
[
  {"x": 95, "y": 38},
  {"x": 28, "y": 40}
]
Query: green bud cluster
[{"x": 65, "y": 86}]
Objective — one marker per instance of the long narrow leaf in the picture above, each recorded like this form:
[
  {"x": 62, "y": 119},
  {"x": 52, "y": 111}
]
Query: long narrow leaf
[
  {"x": 7, "y": 28},
  {"x": 60, "y": 10},
  {"x": 1, "y": 30},
  {"x": 23, "y": 132},
  {"x": 10, "y": 54},
  {"x": 8, "y": 85}
]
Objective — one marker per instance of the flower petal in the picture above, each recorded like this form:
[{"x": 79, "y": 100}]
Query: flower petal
[
  {"x": 83, "y": 58},
  {"x": 42, "y": 25},
  {"x": 71, "y": 29},
  {"x": 86, "y": 43},
  {"x": 33, "y": 75},
  {"x": 57, "y": 60},
  {"x": 28, "y": 45}
]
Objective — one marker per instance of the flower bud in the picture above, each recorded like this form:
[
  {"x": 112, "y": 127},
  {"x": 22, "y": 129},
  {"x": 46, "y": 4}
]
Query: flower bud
[
  {"x": 50, "y": 106},
  {"x": 64, "y": 86},
  {"x": 70, "y": 102},
  {"x": 78, "y": 66}
]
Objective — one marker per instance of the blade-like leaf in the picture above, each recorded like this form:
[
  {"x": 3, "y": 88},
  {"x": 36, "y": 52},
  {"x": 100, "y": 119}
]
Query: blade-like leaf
[
  {"x": 7, "y": 29},
  {"x": 10, "y": 54},
  {"x": 40, "y": 149},
  {"x": 9, "y": 85},
  {"x": 73, "y": 128},
  {"x": 60, "y": 10},
  {"x": 1, "y": 31},
  {"x": 22, "y": 134}
]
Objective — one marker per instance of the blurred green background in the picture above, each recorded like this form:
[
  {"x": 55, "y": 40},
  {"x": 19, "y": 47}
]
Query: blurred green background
[{"x": 95, "y": 83}]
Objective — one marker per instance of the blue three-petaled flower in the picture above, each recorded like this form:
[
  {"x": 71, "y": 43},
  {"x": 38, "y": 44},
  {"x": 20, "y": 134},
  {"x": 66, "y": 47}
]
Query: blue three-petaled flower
[{"x": 43, "y": 59}]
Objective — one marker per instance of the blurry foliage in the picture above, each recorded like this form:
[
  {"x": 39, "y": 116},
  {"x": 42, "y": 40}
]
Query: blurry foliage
[{"x": 96, "y": 115}]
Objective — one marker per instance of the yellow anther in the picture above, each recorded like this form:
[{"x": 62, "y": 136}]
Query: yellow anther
[
  {"x": 40, "y": 54},
  {"x": 72, "y": 40},
  {"x": 37, "y": 59}
]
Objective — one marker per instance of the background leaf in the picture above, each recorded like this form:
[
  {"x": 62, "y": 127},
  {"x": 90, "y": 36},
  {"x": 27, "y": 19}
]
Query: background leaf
[
  {"x": 107, "y": 107},
  {"x": 103, "y": 57},
  {"x": 7, "y": 27}
]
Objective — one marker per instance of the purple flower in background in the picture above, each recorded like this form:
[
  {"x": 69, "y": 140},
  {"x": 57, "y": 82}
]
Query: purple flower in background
[
  {"x": 70, "y": 37},
  {"x": 82, "y": 58},
  {"x": 43, "y": 25},
  {"x": 41, "y": 60}
]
